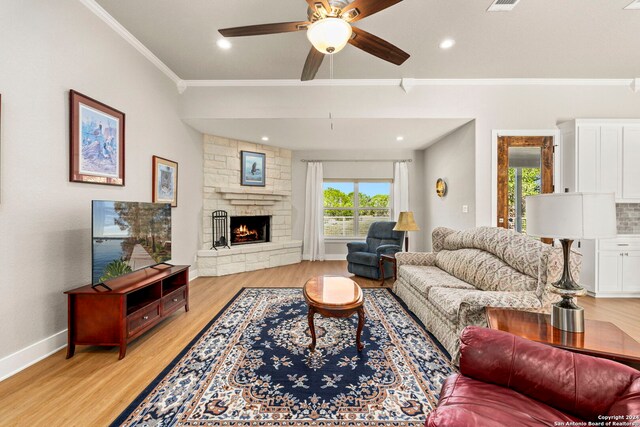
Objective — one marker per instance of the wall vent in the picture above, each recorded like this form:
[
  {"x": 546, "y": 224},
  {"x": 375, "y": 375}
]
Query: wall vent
[
  {"x": 634, "y": 5},
  {"x": 504, "y": 5}
]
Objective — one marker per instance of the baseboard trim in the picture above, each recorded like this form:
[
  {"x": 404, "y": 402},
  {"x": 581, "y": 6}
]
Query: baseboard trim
[
  {"x": 22, "y": 359},
  {"x": 335, "y": 257}
]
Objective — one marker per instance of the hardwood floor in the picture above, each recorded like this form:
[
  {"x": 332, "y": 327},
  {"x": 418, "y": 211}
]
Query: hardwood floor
[{"x": 93, "y": 387}]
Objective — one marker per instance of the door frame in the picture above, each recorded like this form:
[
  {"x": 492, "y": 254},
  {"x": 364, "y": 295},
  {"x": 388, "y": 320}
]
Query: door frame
[{"x": 557, "y": 159}]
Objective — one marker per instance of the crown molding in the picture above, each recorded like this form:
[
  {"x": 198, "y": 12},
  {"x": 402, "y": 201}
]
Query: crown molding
[
  {"x": 405, "y": 84},
  {"x": 133, "y": 41}
]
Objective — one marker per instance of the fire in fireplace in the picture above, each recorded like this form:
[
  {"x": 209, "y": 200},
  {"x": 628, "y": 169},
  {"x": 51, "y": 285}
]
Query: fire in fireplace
[{"x": 249, "y": 229}]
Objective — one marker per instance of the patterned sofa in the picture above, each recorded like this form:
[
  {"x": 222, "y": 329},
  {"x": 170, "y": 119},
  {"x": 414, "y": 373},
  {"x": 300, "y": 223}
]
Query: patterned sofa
[{"x": 449, "y": 288}]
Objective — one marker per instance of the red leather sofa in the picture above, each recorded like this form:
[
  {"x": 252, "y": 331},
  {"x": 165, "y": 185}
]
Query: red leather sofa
[{"x": 506, "y": 380}]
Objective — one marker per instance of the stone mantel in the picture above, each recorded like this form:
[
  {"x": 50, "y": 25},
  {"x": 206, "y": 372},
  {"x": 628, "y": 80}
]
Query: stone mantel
[
  {"x": 252, "y": 191},
  {"x": 251, "y": 196}
]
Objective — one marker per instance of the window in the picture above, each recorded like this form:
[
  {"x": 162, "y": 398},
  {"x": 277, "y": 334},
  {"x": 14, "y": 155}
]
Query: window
[{"x": 351, "y": 206}]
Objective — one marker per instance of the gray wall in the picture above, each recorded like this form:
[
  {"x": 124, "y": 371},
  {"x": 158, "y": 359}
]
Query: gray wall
[
  {"x": 452, "y": 159},
  {"x": 360, "y": 170},
  {"x": 47, "y": 48}
]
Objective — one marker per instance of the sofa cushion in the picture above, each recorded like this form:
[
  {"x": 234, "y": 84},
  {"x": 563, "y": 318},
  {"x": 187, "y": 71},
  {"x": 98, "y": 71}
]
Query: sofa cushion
[
  {"x": 423, "y": 278},
  {"x": 518, "y": 250},
  {"x": 484, "y": 270},
  {"x": 364, "y": 258},
  {"x": 468, "y": 402},
  {"x": 448, "y": 301}
]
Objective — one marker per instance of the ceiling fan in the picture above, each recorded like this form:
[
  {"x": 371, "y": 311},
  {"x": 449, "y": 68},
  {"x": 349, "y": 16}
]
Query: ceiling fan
[{"x": 329, "y": 29}]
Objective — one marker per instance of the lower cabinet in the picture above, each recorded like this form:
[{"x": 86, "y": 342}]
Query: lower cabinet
[
  {"x": 610, "y": 267},
  {"x": 618, "y": 266},
  {"x": 631, "y": 271}
]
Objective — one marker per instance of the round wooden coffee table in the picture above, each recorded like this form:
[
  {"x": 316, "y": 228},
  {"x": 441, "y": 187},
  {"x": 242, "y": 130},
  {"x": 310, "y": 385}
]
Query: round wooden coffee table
[{"x": 334, "y": 296}]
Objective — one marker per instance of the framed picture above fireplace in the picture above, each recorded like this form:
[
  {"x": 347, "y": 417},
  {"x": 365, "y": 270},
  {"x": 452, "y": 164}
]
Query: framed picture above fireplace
[{"x": 252, "y": 168}]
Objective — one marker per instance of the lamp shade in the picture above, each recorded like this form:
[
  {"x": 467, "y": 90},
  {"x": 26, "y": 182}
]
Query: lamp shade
[
  {"x": 329, "y": 35},
  {"x": 572, "y": 215},
  {"x": 406, "y": 222}
]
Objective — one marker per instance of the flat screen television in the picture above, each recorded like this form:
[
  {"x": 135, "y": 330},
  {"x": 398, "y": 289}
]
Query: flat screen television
[{"x": 128, "y": 236}]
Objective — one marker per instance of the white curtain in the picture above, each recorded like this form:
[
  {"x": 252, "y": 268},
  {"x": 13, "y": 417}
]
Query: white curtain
[
  {"x": 400, "y": 188},
  {"x": 313, "y": 243}
]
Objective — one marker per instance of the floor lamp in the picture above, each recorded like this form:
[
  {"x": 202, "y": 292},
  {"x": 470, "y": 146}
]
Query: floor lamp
[
  {"x": 570, "y": 216},
  {"x": 406, "y": 223}
]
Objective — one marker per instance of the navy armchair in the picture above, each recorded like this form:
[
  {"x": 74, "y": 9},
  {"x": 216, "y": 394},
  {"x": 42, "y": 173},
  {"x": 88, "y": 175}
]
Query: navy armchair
[{"x": 363, "y": 257}]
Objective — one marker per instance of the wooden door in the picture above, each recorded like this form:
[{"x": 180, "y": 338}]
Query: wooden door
[{"x": 521, "y": 152}]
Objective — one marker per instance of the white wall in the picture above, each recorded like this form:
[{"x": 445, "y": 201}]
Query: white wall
[
  {"x": 47, "y": 48},
  {"x": 359, "y": 170},
  {"x": 452, "y": 159},
  {"x": 493, "y": 107}
]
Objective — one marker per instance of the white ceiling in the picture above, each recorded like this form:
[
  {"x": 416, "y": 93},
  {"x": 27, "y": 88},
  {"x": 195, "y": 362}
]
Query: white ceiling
[
  {"x": 539, "y": 39},
  {"x": 316, "y": 134}
]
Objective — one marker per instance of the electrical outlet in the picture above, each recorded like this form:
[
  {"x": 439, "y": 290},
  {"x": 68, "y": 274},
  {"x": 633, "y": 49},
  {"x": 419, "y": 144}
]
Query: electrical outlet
[{"x": 465, "y": 208}]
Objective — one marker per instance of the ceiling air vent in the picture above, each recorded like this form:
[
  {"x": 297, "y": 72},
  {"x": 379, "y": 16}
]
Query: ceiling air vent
[
  {"x": 504, "y": 5},
  {"x": 634, "y": 5}
]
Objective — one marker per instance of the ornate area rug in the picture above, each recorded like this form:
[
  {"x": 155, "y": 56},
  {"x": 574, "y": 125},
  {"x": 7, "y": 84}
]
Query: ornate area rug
[{"x": 251, "y": 367}]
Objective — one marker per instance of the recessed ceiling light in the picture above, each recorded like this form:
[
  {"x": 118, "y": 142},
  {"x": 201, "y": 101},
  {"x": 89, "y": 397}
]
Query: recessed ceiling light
[
  {"x": 224, "y": 44},
  {"x": 447, "y": 43},
  {"x": 265, "y": 138},
  {"x": 400, "y": 138}
]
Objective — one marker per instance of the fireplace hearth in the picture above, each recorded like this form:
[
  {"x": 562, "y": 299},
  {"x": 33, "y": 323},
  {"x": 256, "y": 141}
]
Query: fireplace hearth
[{"x": 250, "y": 229}]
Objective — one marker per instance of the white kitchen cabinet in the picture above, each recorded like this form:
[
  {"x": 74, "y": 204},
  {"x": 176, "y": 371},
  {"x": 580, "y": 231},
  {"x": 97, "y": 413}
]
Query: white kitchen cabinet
[
  {"x": 588, "y": 151},
  {"x": 631, "y": 271},
  {"x": 603, "y": 156},
  {"x": 610, "y": 154},
  {"x": 610, "y": 265},
  {"x": 618, "y": 267},
  {"x": 631, "y": 163}
]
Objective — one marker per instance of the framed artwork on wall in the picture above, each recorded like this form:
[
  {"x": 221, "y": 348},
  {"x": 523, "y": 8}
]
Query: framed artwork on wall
[
  {"x": 97, "y": 141},
  {"x": 252, "y": 168},
  {"x": 165, "y": 181}
]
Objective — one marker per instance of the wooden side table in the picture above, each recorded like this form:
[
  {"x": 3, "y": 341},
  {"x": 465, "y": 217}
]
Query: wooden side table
[
  {"x": 600, "y": 339},
  {"x": 392, "y": 260}
]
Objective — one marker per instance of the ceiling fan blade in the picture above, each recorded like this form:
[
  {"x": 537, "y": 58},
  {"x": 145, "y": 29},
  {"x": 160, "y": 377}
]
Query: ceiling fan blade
[
  {"x": 377, "y": 47},
  {"x": 324, "y": 3},
  {"x": 364, "y": 8},
  {"x": 258, "y": 30},
  {"x": 312, "y": 64}
]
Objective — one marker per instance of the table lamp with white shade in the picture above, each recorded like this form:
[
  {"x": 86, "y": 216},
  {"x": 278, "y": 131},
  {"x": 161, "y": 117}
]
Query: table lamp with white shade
[{"x": 570, "y": 216}]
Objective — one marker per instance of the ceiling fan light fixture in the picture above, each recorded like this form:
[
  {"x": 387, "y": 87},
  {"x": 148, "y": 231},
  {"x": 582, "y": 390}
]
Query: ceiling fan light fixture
[
  {"x": 329, "y": 35},
  {"x": 224, "y": 44}
]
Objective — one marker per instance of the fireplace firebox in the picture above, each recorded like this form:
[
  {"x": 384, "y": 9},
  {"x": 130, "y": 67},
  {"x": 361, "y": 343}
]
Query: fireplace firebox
[{"x": 250, "y": 229}]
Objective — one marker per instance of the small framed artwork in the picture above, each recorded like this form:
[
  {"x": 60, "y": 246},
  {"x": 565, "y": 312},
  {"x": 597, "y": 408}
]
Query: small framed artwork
[
  {"x": 165, "y": 181},
  {"x": 252, "y": 168},
  {"x": 97, "y": 141}
]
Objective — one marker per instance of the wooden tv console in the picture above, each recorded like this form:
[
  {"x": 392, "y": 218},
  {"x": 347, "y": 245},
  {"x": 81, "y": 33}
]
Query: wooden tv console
[{"x": 135, "y": 303}]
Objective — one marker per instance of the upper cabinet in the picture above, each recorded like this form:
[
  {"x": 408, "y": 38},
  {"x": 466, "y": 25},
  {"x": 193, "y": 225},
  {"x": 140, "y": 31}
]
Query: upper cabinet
[
  {"x": 602, "y": 156},
  {"x": 631, "y": 163}
]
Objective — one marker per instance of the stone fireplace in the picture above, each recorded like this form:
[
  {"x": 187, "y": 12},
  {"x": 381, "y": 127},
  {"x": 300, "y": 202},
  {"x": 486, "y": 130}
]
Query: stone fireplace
[
  {"x": 246, "y": 230},
  {"x": 253, "y": 246}
]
